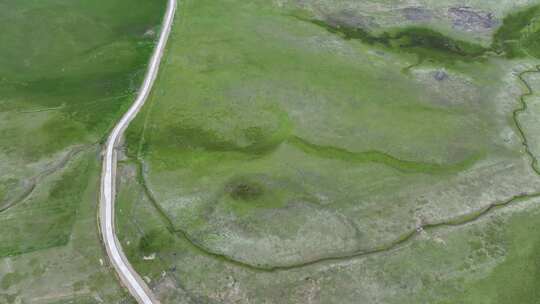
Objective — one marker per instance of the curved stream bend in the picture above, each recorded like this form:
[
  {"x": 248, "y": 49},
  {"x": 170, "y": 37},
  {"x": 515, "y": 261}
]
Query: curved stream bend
[{"x": 129, "y": 278}]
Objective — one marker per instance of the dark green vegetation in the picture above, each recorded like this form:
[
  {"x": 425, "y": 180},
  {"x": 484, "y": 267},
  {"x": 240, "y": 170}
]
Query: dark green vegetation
[
  {"x": 426, "y": 43},
  {"x": 519, "y": 36},
  {"x": 516, "y": 278},
  {"x": 68, "y": 70},
  {"x": 379, "y": 157}
]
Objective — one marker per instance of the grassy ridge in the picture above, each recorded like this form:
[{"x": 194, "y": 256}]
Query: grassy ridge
[{"x": 380, "y": 158}]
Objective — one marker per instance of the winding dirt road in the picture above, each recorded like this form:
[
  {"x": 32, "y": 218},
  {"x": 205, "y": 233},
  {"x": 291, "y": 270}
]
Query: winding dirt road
[{"x": 129, "y": 278}]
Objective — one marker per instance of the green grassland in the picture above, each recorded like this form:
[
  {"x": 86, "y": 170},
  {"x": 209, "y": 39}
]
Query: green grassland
[
  {"x": 291, "y": 151},
  {"x": 81, "y": 60},
  {"x": 493, "y": 260},
  {"x": 275, "y": 140},
  {"x": 50, "y": 249},
  {"x": 68, "y": 70},
  {"x": 288, "y": 156},
  {"x": 46, "y": 218}
]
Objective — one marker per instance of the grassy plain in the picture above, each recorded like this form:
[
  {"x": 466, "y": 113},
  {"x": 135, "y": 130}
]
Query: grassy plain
[
  {"x": 491, "y": 261},
  {"x": 282, "y": 145},
  {"x": 68, "y": 69},
  {"x": 276, "y": 141}
]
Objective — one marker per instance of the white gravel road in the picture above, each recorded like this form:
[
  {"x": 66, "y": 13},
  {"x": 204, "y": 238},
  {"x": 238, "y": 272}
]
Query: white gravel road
[{"x": 129, "y": 278}]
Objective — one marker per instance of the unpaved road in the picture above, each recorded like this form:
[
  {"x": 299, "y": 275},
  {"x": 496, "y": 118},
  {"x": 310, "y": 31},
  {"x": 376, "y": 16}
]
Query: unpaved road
[{"x": 129, "y": 278}]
